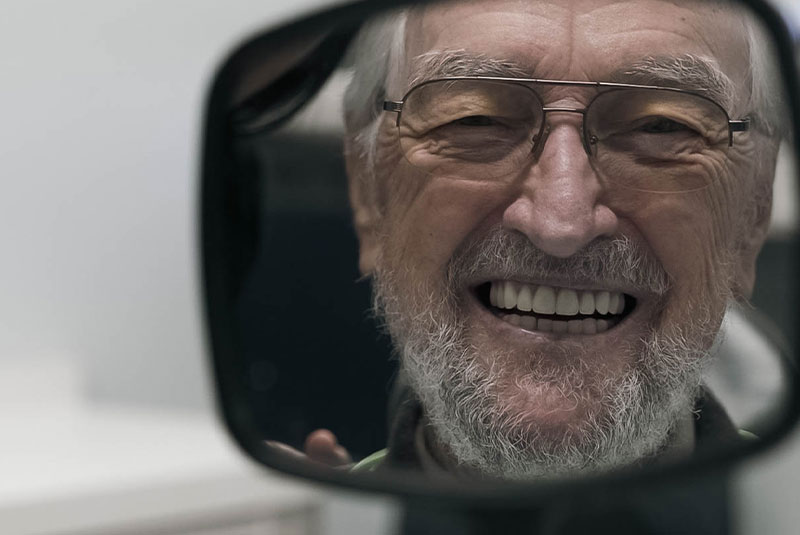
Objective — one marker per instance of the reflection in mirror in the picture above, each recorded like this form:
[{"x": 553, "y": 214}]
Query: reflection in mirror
[{"x": 520, "y": 241}]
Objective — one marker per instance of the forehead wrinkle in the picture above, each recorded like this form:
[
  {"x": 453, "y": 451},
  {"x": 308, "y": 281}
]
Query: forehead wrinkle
[{"x": 572, "y": 31}]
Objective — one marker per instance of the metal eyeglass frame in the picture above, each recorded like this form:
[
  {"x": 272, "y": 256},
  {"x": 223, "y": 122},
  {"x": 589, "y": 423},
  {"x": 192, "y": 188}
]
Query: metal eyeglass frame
[{"x": 734, "y": 125}]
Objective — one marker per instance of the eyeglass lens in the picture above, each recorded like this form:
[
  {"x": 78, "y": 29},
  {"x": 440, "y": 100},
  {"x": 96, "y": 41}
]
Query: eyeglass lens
[{"x": 645, "y": 139}]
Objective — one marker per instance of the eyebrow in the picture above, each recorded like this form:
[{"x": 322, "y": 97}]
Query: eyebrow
[
  {"x": 688, "y": 71},
  {"x": 453, "y": 63}
]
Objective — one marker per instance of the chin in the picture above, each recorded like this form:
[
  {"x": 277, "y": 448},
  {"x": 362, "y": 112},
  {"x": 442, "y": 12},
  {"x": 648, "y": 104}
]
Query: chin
[
  {"x": 559, "y": 412},
  {"x": 560, "y": 392},
  {"x": 548, "y": 410}
]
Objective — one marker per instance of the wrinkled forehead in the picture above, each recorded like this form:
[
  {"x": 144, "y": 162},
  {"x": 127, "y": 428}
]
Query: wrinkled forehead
[{"x": 581, "y": 39}]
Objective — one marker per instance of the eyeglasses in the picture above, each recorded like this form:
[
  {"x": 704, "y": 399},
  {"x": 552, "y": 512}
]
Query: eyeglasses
[{"x": 647, "y": 138}]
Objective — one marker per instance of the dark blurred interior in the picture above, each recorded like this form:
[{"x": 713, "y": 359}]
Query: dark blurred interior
[{"x": 303, "y": 298}]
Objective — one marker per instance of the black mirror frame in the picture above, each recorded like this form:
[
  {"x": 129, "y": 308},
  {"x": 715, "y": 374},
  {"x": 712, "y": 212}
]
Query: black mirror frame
[{"x": 219, "y": 217}]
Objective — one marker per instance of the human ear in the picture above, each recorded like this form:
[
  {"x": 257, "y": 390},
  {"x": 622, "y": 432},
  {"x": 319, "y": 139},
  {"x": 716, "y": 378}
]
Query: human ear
[
  {"x": 751, "y": 244},
  {"x": 364, "y": 204},
  {"x": 756, "y": 225}
]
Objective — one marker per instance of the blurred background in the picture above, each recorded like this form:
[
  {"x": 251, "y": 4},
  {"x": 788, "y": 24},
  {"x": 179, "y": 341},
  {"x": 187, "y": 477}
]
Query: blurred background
[{"x": 106, "y": 411}]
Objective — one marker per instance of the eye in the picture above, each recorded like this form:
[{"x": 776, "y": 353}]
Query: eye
[
  {"x": 663, "y": 125},
  {"x": 475, "y": 120}
]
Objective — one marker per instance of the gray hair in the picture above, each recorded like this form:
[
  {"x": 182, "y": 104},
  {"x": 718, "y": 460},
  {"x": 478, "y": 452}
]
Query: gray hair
[{"x": 377, "y": 55}]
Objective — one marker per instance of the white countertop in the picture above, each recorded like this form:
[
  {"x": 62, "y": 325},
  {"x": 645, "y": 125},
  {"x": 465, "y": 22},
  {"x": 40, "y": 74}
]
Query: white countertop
[{"x": 70, "y": 466}]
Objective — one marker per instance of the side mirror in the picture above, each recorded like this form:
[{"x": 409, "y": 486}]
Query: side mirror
[{"x": 531, "y": 236}]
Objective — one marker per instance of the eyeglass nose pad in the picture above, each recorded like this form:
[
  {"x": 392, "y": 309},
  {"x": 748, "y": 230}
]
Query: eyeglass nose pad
[
  {"x": 539, "y": 141},
  {"x": 589, "y": 143}
]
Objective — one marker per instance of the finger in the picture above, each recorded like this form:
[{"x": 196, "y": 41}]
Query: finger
[
  {"x": 286, "y": 450},
  {"x": 322, "y": 446}
]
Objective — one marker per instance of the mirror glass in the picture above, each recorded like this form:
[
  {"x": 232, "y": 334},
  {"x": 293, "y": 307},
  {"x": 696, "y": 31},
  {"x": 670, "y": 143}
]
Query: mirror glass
[{"x": 508, "y": 240}]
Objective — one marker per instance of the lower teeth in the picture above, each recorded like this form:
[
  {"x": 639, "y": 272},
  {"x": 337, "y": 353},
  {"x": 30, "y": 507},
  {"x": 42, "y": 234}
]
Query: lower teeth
[{"x": 577, "y": 326}]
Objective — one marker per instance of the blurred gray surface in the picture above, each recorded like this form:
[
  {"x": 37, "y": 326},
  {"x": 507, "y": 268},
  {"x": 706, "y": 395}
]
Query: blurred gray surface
[{"x": 766, "y": 491}]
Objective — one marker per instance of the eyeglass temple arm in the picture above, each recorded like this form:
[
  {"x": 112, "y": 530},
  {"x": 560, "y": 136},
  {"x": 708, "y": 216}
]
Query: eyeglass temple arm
[
  {"x": 741, "y": 125},
  {"x": 395, "y": 106}
]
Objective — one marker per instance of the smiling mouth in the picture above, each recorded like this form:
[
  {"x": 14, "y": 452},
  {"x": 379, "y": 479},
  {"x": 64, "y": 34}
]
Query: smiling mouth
[{"x": 542, "y": 308}]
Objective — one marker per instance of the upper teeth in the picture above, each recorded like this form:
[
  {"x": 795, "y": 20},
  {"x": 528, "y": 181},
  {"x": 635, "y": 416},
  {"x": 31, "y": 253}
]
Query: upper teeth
[{"x": 551, "y": 300}]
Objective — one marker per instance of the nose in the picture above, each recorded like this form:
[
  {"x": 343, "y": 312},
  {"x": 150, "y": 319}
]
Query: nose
[{"x": 558, "y": 204}]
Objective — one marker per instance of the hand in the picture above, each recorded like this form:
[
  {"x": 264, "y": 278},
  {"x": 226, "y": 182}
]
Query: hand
[{"x": 320, "y": 447}]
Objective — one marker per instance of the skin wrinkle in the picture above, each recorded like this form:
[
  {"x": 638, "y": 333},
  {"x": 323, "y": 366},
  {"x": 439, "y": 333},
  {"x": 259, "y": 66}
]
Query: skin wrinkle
[
  {"x": 571, "y": 32},
  {"x": 694, "y": 30}
]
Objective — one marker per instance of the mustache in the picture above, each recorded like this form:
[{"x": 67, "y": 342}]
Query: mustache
[{"x": 613, "y": 261}]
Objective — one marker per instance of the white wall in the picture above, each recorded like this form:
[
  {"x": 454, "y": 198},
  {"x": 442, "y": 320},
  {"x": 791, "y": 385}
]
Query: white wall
[{"x": 100, "y": 108}]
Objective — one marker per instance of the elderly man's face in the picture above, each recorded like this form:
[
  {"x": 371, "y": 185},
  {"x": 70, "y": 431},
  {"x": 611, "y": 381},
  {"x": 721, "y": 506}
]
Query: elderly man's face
[{"x": 444, "y": 248}]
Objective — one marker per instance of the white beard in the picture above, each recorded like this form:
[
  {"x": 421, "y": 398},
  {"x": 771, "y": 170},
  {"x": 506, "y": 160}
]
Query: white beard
[{"x": 477, "y": 411}]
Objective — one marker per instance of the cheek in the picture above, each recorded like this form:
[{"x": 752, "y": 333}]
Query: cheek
[
  {"x": 679, "y": 232},
  {"x": 428, "y": 218},
  {"x": 692, "y": 234},
  {"x": 727, "y": 197}
]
